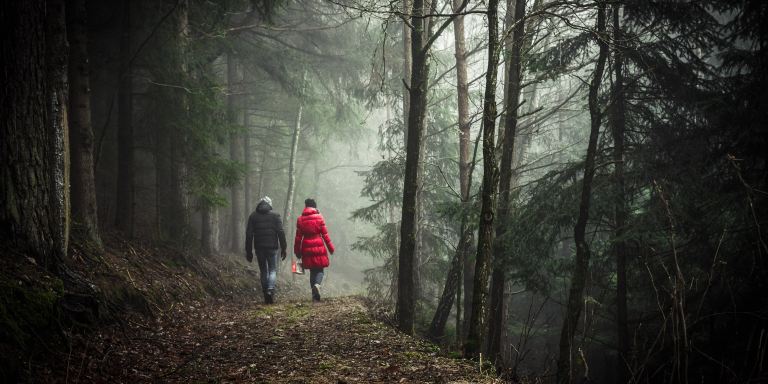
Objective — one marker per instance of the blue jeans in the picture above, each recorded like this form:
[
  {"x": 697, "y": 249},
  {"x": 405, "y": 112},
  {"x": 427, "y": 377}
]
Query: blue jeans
[
  {"x": 315, "y": 276},
  {"x": 267, "y": 259}
]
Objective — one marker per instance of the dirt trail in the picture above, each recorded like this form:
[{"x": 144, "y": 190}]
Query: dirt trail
[{"x": 335, "y": 341}]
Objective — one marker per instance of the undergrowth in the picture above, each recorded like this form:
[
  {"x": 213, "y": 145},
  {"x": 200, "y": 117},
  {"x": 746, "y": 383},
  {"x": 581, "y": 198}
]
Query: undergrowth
[{"x": 40, "y": 311}]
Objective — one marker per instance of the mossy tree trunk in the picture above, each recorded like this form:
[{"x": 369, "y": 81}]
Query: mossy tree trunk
[{"x": 33, "y": 130}]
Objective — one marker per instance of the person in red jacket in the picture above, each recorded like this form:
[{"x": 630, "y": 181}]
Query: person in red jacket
[{"x": 310, "y": 245}]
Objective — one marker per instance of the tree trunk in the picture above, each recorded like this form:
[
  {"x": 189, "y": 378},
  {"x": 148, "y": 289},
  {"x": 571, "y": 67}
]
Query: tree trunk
[
  {"x": 412, "y": 183},
  {"x": 581, "y": 267},
  {"x": 83, "y": 185},
  {"x": 247, "y": 187},
  {"x": 468, "y": 280},
  {"x": 407, "y": 66},
  {"x": 514, "y": 77},
  {"x": 206, "y": 230},
  {"x": 237, "y": 222},
  {"x": 56, "y": 55},
  {"x": 458, "y": 339},
  {"x": 453, "y": 282},
  {"x": 288, "y": 208},
  {"x": 407, "y": 63},
  {"x": 489, "y": 191},
  {"x": 33, "y": 130},
  {"x": 125, "y": 166},
  {"x": 171, "y": 138},
  {"x": 620, "y": 209},
  {"x": 420, "y": 249},
  {"x": 260, "y": 183},
  {"x": 462, "y": 95}
]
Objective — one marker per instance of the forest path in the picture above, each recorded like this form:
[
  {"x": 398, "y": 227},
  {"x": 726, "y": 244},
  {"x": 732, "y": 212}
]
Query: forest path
[{"x": 335, "y": 341}]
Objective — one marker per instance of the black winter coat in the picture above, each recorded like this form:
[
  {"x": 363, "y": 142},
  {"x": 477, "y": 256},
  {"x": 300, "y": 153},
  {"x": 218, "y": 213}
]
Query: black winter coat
[{"x": 264, "y": 230}]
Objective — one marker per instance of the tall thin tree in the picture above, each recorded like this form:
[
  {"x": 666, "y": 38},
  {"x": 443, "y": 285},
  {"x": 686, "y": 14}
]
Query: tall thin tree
[
  {"x": 170, "y": 146},
  {"x": 295, "y": 135},
  {"x": 237, "y": 221},
  {"x": 411, "y": 183},
  {"x": 452, "y": 285},
  {"x": 581, "y": 267},
  {"x": 513, "y": 44},
  {"x": 489, "y": 191},
  {"x": 618, "y": 127},
  {"x": 125, "y": 157},
  {"x": 83, "y": 185}
]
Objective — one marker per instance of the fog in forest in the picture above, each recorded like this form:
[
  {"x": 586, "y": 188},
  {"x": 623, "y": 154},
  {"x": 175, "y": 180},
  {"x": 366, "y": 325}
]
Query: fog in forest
[{"x": 524, "y": 191}]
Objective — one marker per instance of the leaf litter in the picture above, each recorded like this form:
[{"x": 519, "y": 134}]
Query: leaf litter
[{"x": 220, "y": 341}]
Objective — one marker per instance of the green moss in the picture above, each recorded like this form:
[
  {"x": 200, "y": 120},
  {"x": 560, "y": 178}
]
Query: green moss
[
  {"x": 291, "y": 313},
  {"x": 26, "y": 309},
  {"x": 362, "y": 319},
  {"x": 330, "y": 363}
]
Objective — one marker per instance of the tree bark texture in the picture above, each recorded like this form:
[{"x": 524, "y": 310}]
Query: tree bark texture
[
  {"x": 411, "y": 184},
  {"x": 237, "y": 223},
  {"x": 171, "y": 137},
  {"x": 57, "y": 57},
  {"x": 581, "y": 267},
  {"x": 489, "y": 192},
  {"x": 83, "y": 185},
  {"x": 618, "y": 123},
  {"x": 124, "y": 214},
  {"x": 33, "y": 130},
  {"x": 512, "y": 47}
]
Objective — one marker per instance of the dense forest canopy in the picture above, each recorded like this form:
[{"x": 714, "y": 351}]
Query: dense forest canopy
[{"x": 566, "y": 191}]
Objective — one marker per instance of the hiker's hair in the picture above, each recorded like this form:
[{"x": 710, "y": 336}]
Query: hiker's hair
[{"x": 310, "y": 202}]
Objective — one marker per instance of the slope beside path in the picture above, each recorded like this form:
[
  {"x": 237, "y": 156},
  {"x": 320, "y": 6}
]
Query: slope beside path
[{"x": 335, "y": 341}]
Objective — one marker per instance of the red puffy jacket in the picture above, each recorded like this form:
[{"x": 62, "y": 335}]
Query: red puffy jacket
[{"x": 310, "y": 235}]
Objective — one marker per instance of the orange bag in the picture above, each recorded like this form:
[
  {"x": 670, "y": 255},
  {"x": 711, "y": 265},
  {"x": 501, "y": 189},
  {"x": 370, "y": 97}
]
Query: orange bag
[{"x": 296, "y": 267}]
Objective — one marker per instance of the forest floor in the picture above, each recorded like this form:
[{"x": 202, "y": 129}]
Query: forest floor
[
  {"x": 334, "y": 341},
  {"x": 167, "y": 316}
]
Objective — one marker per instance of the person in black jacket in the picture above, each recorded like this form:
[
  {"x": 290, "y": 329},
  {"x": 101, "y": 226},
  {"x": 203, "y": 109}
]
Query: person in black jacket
[{"x": 265, "y": 235}]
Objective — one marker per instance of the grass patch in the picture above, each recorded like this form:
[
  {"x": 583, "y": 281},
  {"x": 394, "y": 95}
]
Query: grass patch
[
  {"x": 329, "y": 363},
  {"x": 363, "y": 319},
  {"x": 290, "y": 313}
]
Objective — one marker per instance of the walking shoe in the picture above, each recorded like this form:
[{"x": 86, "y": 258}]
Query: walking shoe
[
  {"x": 269, "y": 297},
  {"x": 316, "y": 292}
]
